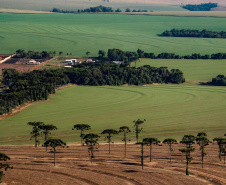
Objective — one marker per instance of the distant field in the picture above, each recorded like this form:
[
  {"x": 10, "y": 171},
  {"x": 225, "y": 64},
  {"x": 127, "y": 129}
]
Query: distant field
[
  {"x": 48, "y": 5},
  {"x": 78, "y": 34},
  {"x": 170, "y": 111},
  {"x": 195, "y": 71}
]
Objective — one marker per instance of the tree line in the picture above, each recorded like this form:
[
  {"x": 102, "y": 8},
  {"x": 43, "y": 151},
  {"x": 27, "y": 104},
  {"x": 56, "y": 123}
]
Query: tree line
[
  {"x": 97, "y": 9},
  {"x": 20, "y": 53},
  {"x": 128, "y": 57},
  {"x": 39, "y": 129},
  {"x": 193, "y": 33},
  {"x": 200, "y": 7},
  {"x": 91, "y": 140}
]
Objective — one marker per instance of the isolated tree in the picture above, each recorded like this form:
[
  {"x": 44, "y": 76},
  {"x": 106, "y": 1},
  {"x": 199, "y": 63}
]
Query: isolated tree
[
  {"x": 81, "y": 127},
  {"x": 202, "y": 141},
  {"x": 60, "y": 53},
  {"x": 109, "y": 133},
  {"x": 91, "y": 141},
  {"x": 36, "y": 131},
  {"x": 137, "y": 128},
  {"x": 125, "y": 131},
  {"x": 150, "y": 141},
  {"x": 46, "y": 131},
  {"x": 187, "y": 151},
  {"x": 87, "y": 53},
  {"x": 170, "y": 142},
  {"x": 101, "y": 53},
  {"x": 4, "y": 157},
  {"x": 54, "y": 143},
  {"x": 219, "y": 141}
]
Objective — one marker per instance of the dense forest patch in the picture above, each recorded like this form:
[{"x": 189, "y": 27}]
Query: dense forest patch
[
  {"x": 200, "y": 7},
  {"x": 193, "y": 33}
]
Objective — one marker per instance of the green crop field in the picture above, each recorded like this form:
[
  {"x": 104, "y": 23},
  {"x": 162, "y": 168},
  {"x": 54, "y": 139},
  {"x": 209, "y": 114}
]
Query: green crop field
[
  {"x": 170, "y": 111},
  {"x": 79, "y": 33},
  {"x": 195, "y": 71}
]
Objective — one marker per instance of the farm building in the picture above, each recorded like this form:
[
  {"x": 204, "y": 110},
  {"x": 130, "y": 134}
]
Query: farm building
[
  {"x": 72, "y": 61},
  {"x": 67, "y": 67},
  {"x": 33, "y": 62},
  {"x": 117, "y": 62},
  {"x": 90, "y": 60}
]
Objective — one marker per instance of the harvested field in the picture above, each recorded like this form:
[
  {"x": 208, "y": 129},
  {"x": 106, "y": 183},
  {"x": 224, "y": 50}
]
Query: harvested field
[
  {"x": 20, "y": 68},
  {"x": 35, "y": 166}
]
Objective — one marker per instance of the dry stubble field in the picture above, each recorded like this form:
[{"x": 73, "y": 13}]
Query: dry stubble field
[{"x": 35, "y": 166}]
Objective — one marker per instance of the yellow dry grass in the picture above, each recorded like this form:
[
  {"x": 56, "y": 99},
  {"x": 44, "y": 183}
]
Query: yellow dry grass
[
  {"x": 182, "y": 13},
  {"x": 2, "y": 10}
]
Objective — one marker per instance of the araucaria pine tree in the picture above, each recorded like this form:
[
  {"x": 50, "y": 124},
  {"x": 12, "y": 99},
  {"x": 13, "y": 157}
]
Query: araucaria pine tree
[
  {"x": 125, "y": 131},
  {"x": 150, "y": 141},
  {"x": 4, "y": 157},
  {"x": 36, "y": 131},
  {"x": 109, "y": 133},
  {"x": 142, "y": 153},
  {"x": 54, "y": 143},
  {"x": 202, "y": 141},
  {"x": 170, "y": 142},
  {"x": 91, "y": 141},
  {"x": 137, "y": 129},
  {"x": 219, "y": 141},
  {"x": 188, "y": 140},
  {"x": 81, "y": 127},
  {"x": 46, "y": 131}
]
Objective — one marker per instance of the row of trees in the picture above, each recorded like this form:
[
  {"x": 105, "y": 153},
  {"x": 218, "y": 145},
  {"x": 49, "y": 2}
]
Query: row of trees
[
  {"x": 200, "y": 7},
  {"x": 96, "y": 9},
  {"x": 20, "y": 53},
  {"x": 194, "y": 33},
  {"x": 128, "y": 57},
  {"x": 91, "y": 140}
]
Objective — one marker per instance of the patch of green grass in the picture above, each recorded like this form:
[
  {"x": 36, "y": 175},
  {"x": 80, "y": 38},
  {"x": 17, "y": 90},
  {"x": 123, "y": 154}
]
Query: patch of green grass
[
  {"x": 195, "y": 71},
  {"x": 79, "y": 33},
  {"x": 170, "y": 111}
]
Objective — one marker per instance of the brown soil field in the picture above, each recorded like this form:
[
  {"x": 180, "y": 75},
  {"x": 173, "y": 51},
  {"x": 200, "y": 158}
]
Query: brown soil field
[
  {"x": 34, "y": 166},
  {"x": 20, "y": 68}
]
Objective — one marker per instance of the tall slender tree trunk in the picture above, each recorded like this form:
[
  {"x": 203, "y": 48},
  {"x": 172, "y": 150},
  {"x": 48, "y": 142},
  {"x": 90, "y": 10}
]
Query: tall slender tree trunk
[
  {"x": 142, "y": 155},
  {"x": 137, "y": 132},
  {"x": 36, "y": 141},
  {"x": 202, "y": 158},
  {"x": 150, "y": 151},
  {"x": 187, "y": 156},
  {"x": 46, "y": 140},
  {"x": 81, "y": 138},
  {"x": 125, "y": 142},
  {"x": 54, "y": 157},
  {"x": 224, "y": 157},
  {"x": 109, "y": 144}
]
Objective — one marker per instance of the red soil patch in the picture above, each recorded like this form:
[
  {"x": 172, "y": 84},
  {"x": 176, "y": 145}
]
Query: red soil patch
[
  {"x": 20, "y": 68},
  {"x": 35, "y": 166}
]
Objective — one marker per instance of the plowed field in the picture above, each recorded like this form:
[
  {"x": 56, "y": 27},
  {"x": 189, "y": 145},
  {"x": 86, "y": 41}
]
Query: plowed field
[{"x": 35, "y": 166}]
